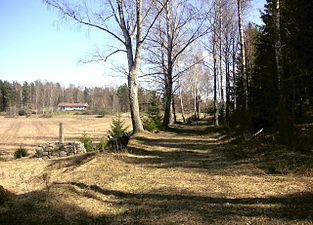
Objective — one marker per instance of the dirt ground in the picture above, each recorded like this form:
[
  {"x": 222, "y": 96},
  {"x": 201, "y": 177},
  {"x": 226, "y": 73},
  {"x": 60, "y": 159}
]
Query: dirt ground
[
  {"x": 183, "y": 176},
  {"x": 32, "y": 131}
]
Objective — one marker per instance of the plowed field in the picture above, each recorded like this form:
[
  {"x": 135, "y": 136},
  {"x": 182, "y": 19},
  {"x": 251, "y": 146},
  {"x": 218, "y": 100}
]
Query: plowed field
[{"x": 30, "y": 132}]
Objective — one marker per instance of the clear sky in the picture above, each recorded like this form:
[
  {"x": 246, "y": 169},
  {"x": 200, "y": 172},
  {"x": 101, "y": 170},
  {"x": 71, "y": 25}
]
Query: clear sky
[{"x": 34, "y": 44}]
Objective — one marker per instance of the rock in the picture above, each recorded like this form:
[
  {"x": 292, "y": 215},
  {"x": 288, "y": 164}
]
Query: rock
[
  {"x": 56, "y": 149},
  {"x": 63, "y": 153},
  {"x": 55, "y": 153}
]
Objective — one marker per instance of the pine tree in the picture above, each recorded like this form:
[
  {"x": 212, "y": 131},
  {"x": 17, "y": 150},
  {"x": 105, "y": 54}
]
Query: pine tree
[{"x": 118, "y": 127}]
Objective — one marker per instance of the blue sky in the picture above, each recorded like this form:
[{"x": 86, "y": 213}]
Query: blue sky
[{"x": 34, "y": 44}]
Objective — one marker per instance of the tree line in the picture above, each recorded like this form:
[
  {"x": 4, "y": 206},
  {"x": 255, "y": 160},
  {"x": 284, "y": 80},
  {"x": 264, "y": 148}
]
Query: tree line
[
  {"x": 42, "y": 97},
  {"x": 256, "y": 76}
]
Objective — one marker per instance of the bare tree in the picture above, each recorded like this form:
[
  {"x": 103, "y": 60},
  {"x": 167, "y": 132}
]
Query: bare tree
[
  {"x": 180, "y": 25},
  {"x": 130, "y": 31},
  {"x": 243, "y": 54}
]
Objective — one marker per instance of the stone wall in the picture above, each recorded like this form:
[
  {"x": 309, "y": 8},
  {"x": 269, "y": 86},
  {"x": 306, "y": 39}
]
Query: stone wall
[{"x": 50, "y": 150}]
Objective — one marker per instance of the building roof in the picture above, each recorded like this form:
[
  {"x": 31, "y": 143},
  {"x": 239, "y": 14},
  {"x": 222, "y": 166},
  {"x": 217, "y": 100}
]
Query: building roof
[{"x": 72, "y": 104}]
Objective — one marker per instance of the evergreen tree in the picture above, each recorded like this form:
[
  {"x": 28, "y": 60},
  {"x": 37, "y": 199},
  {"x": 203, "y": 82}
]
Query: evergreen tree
[{"x": 25, "y": 95}]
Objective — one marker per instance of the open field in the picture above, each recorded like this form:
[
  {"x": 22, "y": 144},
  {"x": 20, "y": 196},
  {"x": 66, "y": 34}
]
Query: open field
[
  {"x": 187, "y": 175},
  {"x": 32, "y": 131}
]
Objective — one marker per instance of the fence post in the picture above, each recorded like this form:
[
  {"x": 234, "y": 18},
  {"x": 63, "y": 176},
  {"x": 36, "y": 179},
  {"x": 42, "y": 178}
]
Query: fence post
[{"x": 61, "y": 134}]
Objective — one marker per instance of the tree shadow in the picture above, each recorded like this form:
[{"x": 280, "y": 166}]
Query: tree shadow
[
  {"x": 71, "y": 162},
  {"x": 156, "y": 207},
  {"x": 195, "y": 129},
  {"x": 207, "y": 155}
]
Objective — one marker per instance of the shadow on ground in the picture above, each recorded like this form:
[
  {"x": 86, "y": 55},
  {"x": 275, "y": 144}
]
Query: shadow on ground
[
  {"x": 71, "y": 162},
  {"x": 207, "y": 150},
  {"x": 156, "y": 208}
]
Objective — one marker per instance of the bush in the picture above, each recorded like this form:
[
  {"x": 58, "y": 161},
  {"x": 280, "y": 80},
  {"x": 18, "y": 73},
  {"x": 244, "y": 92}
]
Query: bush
[
  {"x": 87, "y": 141},
  {"x": 149, "y": 125},
  {"x": 22, "y": 112},
  {"x": 153, "y": 122},
  {"x": 118, "y": 138},
  {"x": 102, "y": 144},
  {"x": 20, "y": 152},
  {"x": 117, "y": 127}
]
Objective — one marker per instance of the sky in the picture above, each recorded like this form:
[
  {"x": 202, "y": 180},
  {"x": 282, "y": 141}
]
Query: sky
[{"x": 36, "y": 45}]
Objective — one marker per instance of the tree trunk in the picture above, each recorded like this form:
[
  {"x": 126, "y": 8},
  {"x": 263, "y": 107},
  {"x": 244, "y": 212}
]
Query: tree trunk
[
  {"x": 168, "y": 100},
  {"x": 198, "y": 107},
  {"x": 227, "y": 90},
  {"x": 234, "y": 74},
  {"x": 243, "y": 56},
  {"x": 133, "y": 65},
  {"x": 181, "y": 102},
  {"x": 173, "y": 109},
  {"x": 134, "y": 103},
  {"x": 169, "y": 69},
  {"x": 285, "y": 127},
  {"x": 220, "y": 58},
  {"x": 216, "y": 108}
]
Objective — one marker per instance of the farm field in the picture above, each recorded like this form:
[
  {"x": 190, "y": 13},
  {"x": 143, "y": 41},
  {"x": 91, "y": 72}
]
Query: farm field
[{"x": 32, "y": 131}]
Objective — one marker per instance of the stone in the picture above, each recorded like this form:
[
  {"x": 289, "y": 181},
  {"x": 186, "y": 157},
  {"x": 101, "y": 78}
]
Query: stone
[
  {"x": 56, "y": 149},
  {"x": 55, "y": 153},
  {"x": 63, "y": 153}
]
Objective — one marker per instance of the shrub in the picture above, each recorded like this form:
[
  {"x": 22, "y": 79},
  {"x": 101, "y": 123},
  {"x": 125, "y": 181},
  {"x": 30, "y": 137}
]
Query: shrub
[
  {"x": 87, "y": 141},
  {"x": 153, "y": 121},
  {"x": 20, "y": 152},
  {"x": 22, "y": 112},
  {"x": 117, "y": 127},
  {"x": 102, "y": 144},
  {"x": 149, "y": 125},
  {"x": 118, "y": 138},
  {"x": 152, "y": 124}
]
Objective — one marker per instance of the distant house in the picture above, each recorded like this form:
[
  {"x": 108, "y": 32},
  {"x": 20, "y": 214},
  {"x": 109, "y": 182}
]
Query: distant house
[{"x": 67, "y": 106}]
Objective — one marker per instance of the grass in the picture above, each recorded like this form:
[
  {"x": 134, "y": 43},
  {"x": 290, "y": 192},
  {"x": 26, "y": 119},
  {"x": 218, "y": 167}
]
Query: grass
[{"x": 182, "y": 176}]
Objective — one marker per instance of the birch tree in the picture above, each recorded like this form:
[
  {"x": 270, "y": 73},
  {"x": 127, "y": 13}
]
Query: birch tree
[
  {"x": 178, "y": 27},
  {"x": 126, "y": 22},
  {"x": 242, "y": 54}
]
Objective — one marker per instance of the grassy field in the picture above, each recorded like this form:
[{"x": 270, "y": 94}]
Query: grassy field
[
  {"x": 32, "y": 131},
  {"x": 187, "y": 175}
]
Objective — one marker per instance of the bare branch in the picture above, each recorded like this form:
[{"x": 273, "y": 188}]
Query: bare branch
[
  {"x": 66, "y": 11},
  {"x": 99, "y": 57}
]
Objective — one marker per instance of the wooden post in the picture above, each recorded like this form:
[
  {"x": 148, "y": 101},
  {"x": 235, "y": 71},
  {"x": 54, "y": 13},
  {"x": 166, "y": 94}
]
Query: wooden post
[{"x": 61, "y": 133}]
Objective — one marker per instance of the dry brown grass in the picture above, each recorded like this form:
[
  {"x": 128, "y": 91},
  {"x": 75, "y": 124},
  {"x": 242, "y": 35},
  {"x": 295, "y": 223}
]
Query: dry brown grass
[
  {"x": 30, "y": 132},
  {"x": 178, "y": 177}
]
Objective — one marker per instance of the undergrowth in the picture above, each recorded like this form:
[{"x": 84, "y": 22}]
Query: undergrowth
[
  {"x": 20, "y": 153},
  {"x": 87, "y": 141}
]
